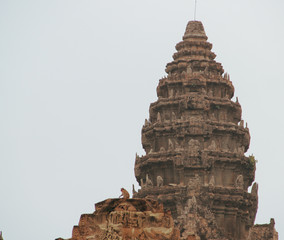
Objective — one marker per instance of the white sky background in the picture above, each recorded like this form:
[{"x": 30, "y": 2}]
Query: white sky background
[{"x": 76, "y": 82}]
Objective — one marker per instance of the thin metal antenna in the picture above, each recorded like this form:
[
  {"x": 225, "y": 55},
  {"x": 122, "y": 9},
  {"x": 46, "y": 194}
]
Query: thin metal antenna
[{"x": 195, "y": 10}]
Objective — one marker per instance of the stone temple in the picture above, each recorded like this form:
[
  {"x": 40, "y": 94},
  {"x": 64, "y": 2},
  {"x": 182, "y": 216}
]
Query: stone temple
[{"x": 195, "y": 165}]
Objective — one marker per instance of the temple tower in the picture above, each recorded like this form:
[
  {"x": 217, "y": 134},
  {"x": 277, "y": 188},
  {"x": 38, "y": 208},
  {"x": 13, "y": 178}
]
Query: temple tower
[{"x": 195, "y": 140}]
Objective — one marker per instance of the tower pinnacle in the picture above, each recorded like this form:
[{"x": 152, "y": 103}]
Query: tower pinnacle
[{"x": 194, "y": 30}]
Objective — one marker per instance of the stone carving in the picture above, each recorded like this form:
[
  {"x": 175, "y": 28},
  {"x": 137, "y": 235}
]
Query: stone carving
[
  {"x": 159, "y": 119},
  {"x": 239, "y": 183},
  {"x": 210, "y": 93},
  {"x": 171, "y": 145},
  {"x": 194, "y": 183},
  {"x": 142, "y": 183},
  {"x": 133, "y": 190},
  {"x": 192, "y": 204},
  {"x": 194, "y": 147},
  {"x": 189, "y": 70},
  {"x": 212, "y": 146},
  {"x": 173, "y": 116},
  {"x": 171, "y": 93},
  {"x": 149, "y": 183},
  {"x": 254, "y": 189},
  {"x": 119, "y": 219},
  {"x": 162, "y": 149},
  {"x": 241, "y": 150},
  {"x": 242, "y": 123},
  {"x": 212, "y": 182},
  {"x": 160, "y": 181}
]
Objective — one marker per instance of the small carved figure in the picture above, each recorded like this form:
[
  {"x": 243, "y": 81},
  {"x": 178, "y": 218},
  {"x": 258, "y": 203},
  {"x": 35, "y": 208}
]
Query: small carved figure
[
  {"x": 171, "y": 93},
  {"x": 212, "y": 182},
  {"x": 189, "y": 70},
  {"x": 151, "y": 151},
  {"x": 239, "y": 182},
  {"x": 124, "y": 194},
  {"x": 149, "y": 183},
  {"x": 242, "y": 123},
  {"x": 160, "y": 181}
]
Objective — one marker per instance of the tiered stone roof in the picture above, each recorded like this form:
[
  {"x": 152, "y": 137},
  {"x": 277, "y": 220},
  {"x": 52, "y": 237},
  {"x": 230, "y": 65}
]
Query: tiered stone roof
[{"x": 195, "y": 140}]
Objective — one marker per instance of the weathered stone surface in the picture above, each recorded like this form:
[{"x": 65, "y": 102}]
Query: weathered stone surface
[
  {"x": 126, "y": 219},
  {"x": 195, "y": 140},
  {"x": 264, "y": 232}
]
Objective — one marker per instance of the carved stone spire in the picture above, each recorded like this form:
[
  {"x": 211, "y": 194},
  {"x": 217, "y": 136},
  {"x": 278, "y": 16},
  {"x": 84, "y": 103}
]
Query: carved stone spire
[{"x": 199, "y": 139}]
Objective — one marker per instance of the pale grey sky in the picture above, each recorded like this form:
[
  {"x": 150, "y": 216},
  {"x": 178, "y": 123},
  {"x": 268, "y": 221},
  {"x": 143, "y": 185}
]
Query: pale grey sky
[{"x": 76, "y": 82}]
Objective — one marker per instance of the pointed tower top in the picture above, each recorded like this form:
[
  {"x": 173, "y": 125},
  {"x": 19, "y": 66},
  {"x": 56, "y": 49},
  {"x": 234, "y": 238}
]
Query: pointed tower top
[{"x": 194, "y": 30}]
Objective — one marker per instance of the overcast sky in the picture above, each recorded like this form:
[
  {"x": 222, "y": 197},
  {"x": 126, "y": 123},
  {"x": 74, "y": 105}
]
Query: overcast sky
[{"x": 76, "y": 81}]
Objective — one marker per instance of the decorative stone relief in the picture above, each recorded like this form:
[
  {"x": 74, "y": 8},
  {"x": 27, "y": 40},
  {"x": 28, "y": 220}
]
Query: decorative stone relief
[
  {"x": 212, "y": 146},
  {"x": 194, "y": 147},
  {"x": 149, "y": 183},
  {"x": 160, "y": 181},
  {"x": 212, "y": 182},
  {"x": 239, "y": 183},
  {"x": 159, "y": 119},
  {"x": 170, "y": 144}
]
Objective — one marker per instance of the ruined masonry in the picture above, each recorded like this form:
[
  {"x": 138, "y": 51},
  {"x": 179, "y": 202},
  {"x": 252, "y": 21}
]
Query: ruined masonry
[{"x": 194, "y": 176}]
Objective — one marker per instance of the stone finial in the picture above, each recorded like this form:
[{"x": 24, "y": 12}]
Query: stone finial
[
  {"x": 160, "y": 181},
  {"x": 133, "y": 189},
  {"x": 239, "y": 183},
  {"x": 254, "y": 189},
  {"x": 194, "y": 30},
  {"x": 146, "y": 123},
  {"x": 141, "y": 183}
]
